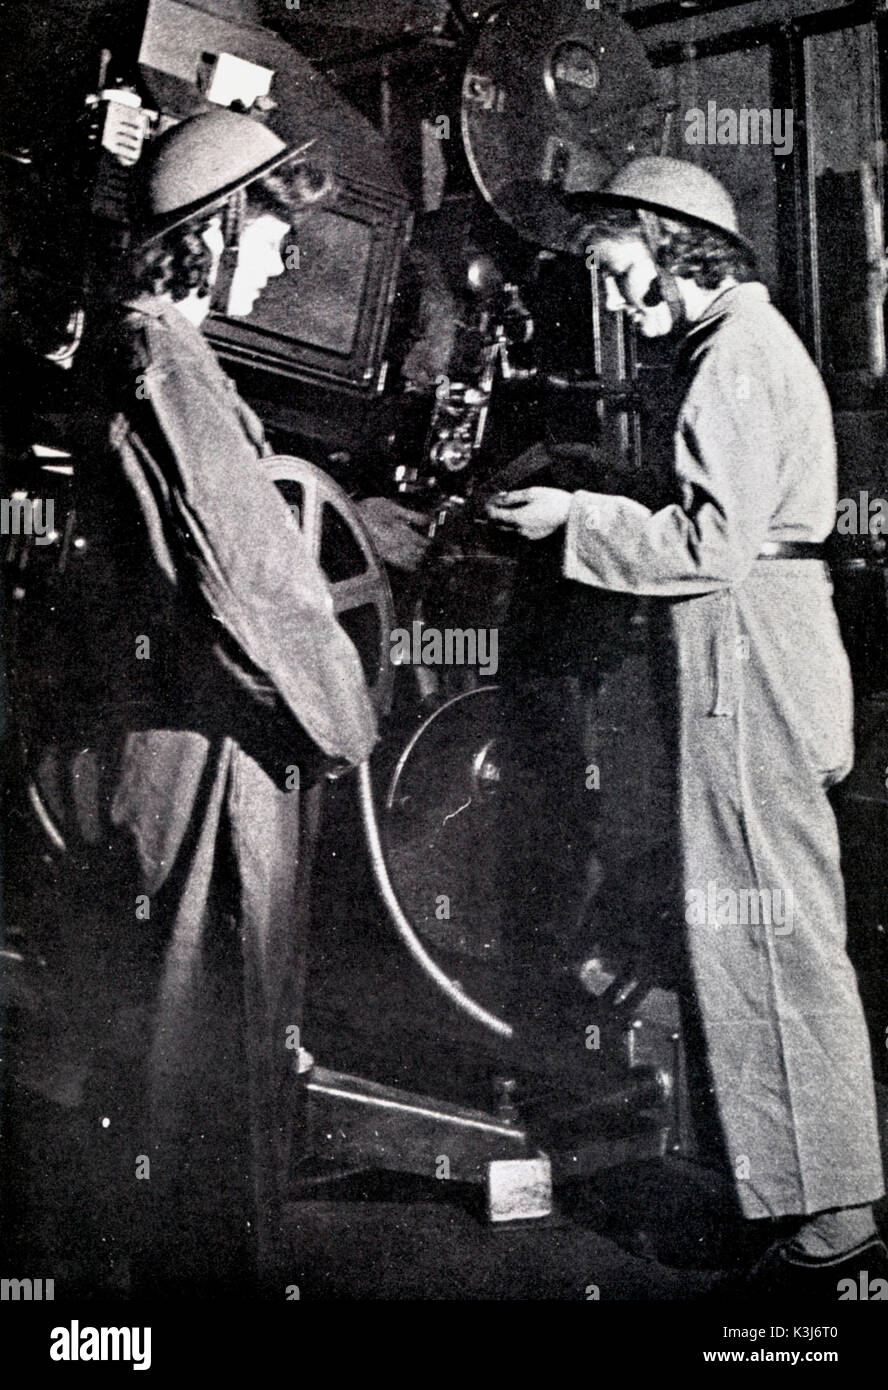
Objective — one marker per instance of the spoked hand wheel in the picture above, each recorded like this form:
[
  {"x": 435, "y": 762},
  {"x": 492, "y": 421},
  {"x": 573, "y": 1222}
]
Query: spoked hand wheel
[{"x": 338, "y": 540}]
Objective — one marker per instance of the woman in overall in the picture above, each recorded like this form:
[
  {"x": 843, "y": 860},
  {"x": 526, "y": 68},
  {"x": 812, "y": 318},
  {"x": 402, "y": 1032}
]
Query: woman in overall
[
  {"x": 762, "y": 710},
  {"x": 209, "y": 682}
]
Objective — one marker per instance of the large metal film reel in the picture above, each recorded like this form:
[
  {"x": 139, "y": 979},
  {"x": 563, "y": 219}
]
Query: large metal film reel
[
  {"x": 338, "y": 541},
  {"x": 555, "y": 98}
]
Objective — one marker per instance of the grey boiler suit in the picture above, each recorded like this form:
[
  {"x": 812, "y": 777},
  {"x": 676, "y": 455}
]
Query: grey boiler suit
[
  {"x": 763, "y": 727},
  {"x": 199, "y": 808}
]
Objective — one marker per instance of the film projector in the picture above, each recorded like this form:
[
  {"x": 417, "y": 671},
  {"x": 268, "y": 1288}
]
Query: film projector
[{"x": 553, "y": 99}]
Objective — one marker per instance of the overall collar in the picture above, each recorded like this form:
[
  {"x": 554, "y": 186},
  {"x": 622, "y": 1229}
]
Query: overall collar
[
  {"x": 159, "y": 307},
  {"x": 732, "y": 299}
]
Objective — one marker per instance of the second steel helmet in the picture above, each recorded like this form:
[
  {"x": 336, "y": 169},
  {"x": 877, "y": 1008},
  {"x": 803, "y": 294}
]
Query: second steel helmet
[
  {"x": 199, "y": 164},
  {"x": 672, "y": 188}
]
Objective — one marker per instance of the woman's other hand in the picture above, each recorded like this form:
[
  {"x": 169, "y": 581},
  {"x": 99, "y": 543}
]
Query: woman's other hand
[{"x": 534, "y": 512}]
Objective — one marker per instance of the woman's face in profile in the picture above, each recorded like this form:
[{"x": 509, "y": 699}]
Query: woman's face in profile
[
  {"x": 631, "y": 288},
  {"x": 258, "y": 259}
]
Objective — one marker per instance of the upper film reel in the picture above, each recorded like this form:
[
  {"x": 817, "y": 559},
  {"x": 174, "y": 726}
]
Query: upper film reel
[{"x": 554, "y": 99}]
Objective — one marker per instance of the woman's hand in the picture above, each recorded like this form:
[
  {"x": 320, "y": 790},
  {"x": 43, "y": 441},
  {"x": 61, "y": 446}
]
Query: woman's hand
[
  {"x": 535, "y": 512},
  {"x": 399, "y": 534}
]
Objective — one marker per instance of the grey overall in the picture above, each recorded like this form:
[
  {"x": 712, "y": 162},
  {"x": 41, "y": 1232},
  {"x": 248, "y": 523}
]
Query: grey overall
[
  {"x": 764, "y": 720},
  {"x": 208, "y": 675}
]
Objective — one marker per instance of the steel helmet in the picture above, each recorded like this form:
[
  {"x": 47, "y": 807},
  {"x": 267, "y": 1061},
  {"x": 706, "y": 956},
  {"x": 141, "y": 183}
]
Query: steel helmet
[
  {"x": 671, "y": 187},
  {"x": 199, "y": 164}
]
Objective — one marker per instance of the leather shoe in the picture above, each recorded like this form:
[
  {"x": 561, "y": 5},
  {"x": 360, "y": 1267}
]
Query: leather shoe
[{"x": 860, "y": 1273}]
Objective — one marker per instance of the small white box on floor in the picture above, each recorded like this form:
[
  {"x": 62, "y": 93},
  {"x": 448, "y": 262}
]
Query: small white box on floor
[{"x": 519, "y": 1189}]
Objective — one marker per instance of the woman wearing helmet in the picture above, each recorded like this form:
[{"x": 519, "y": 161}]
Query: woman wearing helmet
[
  {"x": 212, "y": 677},
  {"x": 763, "y": 709}
]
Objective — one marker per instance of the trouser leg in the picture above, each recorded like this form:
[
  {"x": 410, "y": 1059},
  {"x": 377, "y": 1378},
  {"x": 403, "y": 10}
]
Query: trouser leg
[
  {"x": 273, "y": 836},
  {"x": 786, "y": 1040}
]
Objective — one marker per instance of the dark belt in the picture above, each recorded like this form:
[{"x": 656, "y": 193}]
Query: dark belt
[{"x": 792, "y": 550}]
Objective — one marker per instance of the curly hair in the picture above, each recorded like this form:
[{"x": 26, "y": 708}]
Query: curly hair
[
  {"x": 689, "y": 250},
  {"x": 180, "y": 262},
  {"x": 175, "y": 264},
  {"x": 288, "y": 195}
]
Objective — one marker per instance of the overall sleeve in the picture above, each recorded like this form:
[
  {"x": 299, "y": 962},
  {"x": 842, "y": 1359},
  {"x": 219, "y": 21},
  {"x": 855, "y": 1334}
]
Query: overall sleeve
[
  {"x": 228, "y": 526},
  {"x": 728, "y": 459}
]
